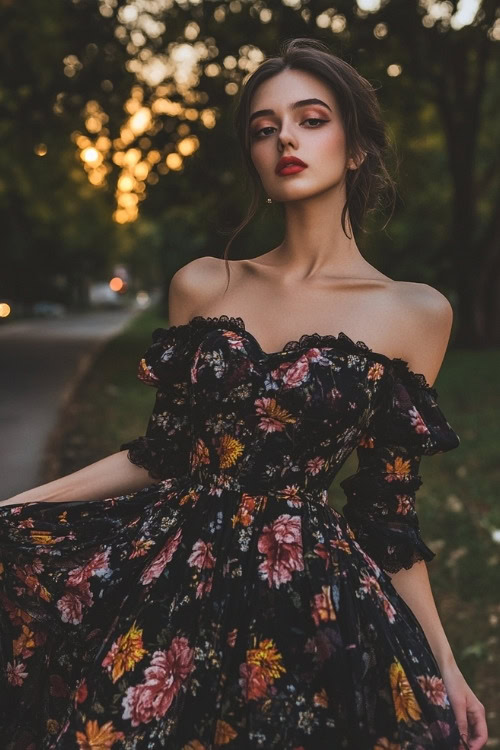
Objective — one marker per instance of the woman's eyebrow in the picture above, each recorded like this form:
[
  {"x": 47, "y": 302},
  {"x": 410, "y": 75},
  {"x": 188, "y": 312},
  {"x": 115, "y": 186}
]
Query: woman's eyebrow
[{"x": 295, "y": 105}]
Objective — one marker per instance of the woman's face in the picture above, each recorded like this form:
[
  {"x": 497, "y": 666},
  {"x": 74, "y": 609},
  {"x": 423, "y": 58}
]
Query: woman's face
[{"x": 312, "y": 132}]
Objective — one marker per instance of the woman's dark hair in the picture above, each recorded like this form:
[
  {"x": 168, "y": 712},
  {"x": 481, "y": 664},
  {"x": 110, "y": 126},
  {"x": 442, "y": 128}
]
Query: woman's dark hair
[{"x": 365, "y": 131}]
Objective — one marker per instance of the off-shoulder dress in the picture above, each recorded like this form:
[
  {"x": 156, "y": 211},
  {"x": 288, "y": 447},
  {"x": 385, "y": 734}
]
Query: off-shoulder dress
[{"x": 228, "y": 604}]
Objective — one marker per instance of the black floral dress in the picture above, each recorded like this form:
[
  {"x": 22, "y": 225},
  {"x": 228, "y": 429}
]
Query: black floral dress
[{"x": 228, "y": 605}]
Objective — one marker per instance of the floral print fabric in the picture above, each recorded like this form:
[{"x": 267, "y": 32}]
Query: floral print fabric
[{"x": 227, "y": 605}]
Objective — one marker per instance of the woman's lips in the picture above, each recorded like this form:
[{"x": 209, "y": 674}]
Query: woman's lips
[{"x": 291, "y": 169}]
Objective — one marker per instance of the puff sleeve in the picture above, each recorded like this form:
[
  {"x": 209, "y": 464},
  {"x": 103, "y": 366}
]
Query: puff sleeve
[
  {"x": 164, "y": 449},
  {"x": 381, "y": 494}
]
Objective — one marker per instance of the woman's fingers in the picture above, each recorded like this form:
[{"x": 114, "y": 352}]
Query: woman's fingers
[
  {"x": 478, "y": 730},
  {"x": 460, "y": 710}
]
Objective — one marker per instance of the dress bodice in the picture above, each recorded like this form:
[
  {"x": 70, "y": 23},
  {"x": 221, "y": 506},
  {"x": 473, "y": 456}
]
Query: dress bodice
[{"x": 284, "y": 419}]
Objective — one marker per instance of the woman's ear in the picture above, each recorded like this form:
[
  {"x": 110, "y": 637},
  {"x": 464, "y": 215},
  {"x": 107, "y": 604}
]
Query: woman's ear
[{"x": 356, "y": 163}]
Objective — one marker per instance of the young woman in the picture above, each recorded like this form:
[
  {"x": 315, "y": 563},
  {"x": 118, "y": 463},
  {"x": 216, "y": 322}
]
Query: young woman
[{"x": 195, "y": 590}]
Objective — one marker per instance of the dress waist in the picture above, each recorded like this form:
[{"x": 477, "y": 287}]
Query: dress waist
[{"x": 217, "y": 484}]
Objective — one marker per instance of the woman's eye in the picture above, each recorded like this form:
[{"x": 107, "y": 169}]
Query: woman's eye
[
  {"x": 314, "y": 119},
  {"x": 260, "y": 133},
  {"x": 256, "y": 133}
]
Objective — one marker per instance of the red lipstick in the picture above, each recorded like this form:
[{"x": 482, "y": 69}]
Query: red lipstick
[{"x": 289, "y": 165}]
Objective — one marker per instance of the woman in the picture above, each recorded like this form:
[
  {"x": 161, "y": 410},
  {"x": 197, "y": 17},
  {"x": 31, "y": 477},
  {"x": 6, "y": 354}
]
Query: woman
[{"x": 195, "y": 590}]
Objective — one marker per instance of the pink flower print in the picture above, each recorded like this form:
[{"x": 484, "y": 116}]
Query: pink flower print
[
  {"x": 275, "y": 417},
  {"x": 193, "y": 370},
  {"x": 27, "y": 523},
  {"x": 314, "y": 465},
  {"x": 201, "y": 556},
  {"x": 281, "y": 543},
  {"x": 434, "y": 688},
  {"x": 298, "y": 372},
  {"x": 388, "y": 609},
  {"x": 97, "y": 565},
  {"x": 71, "y": 604},
  {"x": 417, "y": 422},
  {"x": 235, "y": 341},
  {"x": 16, "y": 673},
  {"x": 159, "y": 563},
  {"x": 291, "y": 493},
  {"x": 405, "y": 504},
  {"x": 204, "y": 587},
  {"x": 369, "y": 584},
  {"x": 152, "y": 698},
  {"x": 252, "y": 681},
  {"x": 146, "y": 374}
]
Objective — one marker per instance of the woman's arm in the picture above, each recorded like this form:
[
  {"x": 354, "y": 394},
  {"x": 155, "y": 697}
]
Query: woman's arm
[
  {"x": 110, "y": 476},
  {"x": 414, "y": 587}
]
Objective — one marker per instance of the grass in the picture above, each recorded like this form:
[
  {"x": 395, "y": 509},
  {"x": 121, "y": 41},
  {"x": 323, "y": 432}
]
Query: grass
[
  {"x": 110, "y": 405},
  {"x": 458, "y": 501}
]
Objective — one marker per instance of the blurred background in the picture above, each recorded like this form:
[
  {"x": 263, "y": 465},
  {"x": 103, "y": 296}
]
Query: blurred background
[{"x": 118, "y": 165}]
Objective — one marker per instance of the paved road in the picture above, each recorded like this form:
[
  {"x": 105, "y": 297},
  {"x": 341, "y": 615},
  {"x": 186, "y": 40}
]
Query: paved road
[{"x": 40, "y": 360}]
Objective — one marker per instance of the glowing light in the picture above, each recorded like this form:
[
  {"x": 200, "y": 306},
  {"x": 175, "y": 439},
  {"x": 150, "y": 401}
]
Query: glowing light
[
  {"x": 125, "y": 183},
  {"x": 142, "y": 298},
  {"x": 394, "y": 70},
  {"x": 5, "y": 310},
  {"x": 132, "y": 156},
  {"x": 174, "y": 161},
  {"x": 188, "y": 145},
  {"x": 141, "y": 170},
  {"x": 40, "y": 149},
  {"x": 140, "y": 121},
  {"x": 126, "y": 200},
  {"x": 116, "y": 284},
  {"x": 91, "y": 155},
  {"x": 93, "y": 124},
  {"x": 208, "y": 118},
  {"x": 369, "y": 5}
]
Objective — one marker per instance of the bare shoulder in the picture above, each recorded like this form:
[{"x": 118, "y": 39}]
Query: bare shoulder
[
  {"x": 425, "y": 318},
  {"x": 191, "y": 287}
]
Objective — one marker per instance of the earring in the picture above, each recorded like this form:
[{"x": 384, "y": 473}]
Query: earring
[{"x": 269, "y": 200}]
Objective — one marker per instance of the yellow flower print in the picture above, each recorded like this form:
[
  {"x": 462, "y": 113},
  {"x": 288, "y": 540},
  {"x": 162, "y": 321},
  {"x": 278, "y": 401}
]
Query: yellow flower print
[
  {"x": 403, "y": 696},
  {"x": 230, "y": 449},
  {"x": 224, "y": 733},
  {"x": 145, "y": 373},
  {"x": 125, "y": 653},
  {"x": 400, "y": 469},
  {"x": 190, "y": 496},
  {"x": 140, "y": 547},
  {"x": 376, "y": 371},
  {"x": 267, "y": 658},
  {"x": 42, "y": 537},
  {"x": 25, "y": 643},
  {"x": 384, "y": 744},
  {"x": 52, "y": 726},
  {"x": 341, "y": 544},
  {"x": 194, "y": 745},
  {"x": 274, "y": 418},
  {"x": 98, "y": 738},
  {"x": 322, "y": 609},
  {"x": 248, "y": 504},
  {"x": 200, "y": 454}
]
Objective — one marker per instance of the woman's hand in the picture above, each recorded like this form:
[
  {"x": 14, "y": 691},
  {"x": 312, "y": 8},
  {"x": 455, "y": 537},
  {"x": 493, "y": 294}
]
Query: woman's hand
[{"x": 468, "y": 709}]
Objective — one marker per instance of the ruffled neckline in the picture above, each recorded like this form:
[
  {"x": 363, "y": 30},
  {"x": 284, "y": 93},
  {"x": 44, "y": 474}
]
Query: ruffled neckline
[{"x": 341, "y": 341}]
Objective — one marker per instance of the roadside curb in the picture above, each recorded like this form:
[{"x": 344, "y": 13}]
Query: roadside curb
[{"x": 50, "y": 462}]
